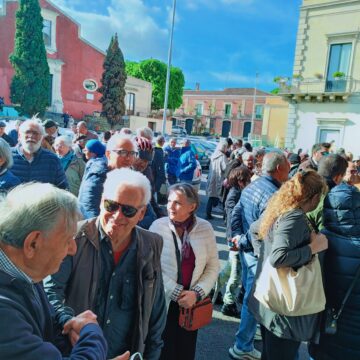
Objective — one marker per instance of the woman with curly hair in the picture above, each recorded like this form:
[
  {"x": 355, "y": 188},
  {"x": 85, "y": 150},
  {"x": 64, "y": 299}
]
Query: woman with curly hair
[{"x": 289, "y": 241}]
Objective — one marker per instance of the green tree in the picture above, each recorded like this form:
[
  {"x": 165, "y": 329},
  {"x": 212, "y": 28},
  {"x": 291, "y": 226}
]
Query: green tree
[
  {"x": 154, "y": 71},
  {"x": 113, "y": 84},
  {"x": 30, "y": 85}
]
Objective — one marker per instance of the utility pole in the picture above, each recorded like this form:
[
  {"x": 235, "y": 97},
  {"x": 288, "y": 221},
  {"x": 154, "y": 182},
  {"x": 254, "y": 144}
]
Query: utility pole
[
  {"x": 254, "y": 108},
  {"x": 168, "y": 70}
]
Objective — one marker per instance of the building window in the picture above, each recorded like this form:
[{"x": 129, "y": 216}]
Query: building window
[
  {"x": 90, "y": 85},
  {"x": 199, "y": 109},
  {"x": 47, "y": 32},
  {"x": 339, "y": 61},
  {"x": 227, "y": 110},
  {"x": 130, "y": 103},
  {"x": 259, "y": 111}
]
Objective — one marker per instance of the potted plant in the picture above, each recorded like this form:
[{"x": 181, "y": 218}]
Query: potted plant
[
  {"x": 319, "y": 76},
  {"x": 337, "y": 75},
  {"x": 296, "y": 79},
  {"x": 279, "y": 79}
]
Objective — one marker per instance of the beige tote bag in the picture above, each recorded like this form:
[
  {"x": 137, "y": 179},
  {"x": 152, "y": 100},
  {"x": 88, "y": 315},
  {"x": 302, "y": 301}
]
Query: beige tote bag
[{"x": 289, "y": 292}]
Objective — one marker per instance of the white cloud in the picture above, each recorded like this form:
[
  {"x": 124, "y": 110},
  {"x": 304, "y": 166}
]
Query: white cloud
[
  {"x": 228, "y": 77},
  {"x": 140, "y": 36}
]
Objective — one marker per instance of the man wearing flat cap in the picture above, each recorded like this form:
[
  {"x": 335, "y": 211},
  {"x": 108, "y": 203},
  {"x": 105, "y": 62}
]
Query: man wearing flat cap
[{"x": 51, "y": 129}]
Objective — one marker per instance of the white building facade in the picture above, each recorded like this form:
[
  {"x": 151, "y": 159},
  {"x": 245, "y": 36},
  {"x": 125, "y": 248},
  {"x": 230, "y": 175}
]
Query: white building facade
[{"x": 324, "y": 92}]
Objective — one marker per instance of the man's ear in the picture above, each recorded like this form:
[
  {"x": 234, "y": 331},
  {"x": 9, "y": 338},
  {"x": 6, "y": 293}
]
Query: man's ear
[
  {"x": 107, "y": 154},
  {"x": 32, "y": 244},
  {"x": 142, "y": 212}
]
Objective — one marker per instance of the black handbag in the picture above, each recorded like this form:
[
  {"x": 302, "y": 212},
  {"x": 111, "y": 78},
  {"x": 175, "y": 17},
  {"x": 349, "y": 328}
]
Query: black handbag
[{"x": 332, "y": 315}]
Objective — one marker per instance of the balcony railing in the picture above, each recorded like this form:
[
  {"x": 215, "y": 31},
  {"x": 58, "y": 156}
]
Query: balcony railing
[{"x": 346, "y": 85}]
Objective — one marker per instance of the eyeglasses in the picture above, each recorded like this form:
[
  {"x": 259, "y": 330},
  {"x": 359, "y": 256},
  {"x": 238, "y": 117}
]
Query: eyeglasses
[
  {"x": 113, "y": 206},
  {"x": 324, "y": 153},
  {"x": 125, "y": 153}
]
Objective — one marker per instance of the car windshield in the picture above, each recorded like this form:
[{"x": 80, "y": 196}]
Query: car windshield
[{"x": 199, "y": 148}]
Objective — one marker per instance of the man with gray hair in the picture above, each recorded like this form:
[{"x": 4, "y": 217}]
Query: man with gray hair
[
  {"x": 33, "y": 163},
  {"x": 252, "y": 203},
  {"x": 37, "y": 227},
  {"x": 82, "y": 130},
  {"x": 145, "y": 132},
  {"x": 116, "y": 271}
]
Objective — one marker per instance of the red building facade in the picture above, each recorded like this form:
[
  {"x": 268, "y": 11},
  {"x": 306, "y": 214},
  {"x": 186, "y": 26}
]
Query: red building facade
[
  {"x": 75, "y": 65},
  {"x": 226, "y": 112}
]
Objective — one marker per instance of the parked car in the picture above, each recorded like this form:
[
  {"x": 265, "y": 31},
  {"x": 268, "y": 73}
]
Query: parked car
[
  {"x": 178, "y": 130},
  {"x": 201, "y": 154}
]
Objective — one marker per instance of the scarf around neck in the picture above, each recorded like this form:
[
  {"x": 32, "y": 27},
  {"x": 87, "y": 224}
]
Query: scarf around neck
[{"x": 186, "y": 227}]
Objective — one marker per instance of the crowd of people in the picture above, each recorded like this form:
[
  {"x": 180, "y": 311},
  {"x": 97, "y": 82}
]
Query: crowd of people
[{"x": 93, "y": 266}]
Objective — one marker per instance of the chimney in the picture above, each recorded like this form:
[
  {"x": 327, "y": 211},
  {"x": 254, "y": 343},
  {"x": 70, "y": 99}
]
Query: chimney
[{"x": 197, "y": 86}]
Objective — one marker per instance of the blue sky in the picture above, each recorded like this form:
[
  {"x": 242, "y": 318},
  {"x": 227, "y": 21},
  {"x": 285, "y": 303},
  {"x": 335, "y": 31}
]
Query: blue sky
[{"x": 218, "y": 43}]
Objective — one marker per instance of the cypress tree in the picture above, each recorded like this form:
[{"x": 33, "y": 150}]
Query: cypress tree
[
  {"x": 113, "y": 84},
  {"x": 30, "y": 85}
]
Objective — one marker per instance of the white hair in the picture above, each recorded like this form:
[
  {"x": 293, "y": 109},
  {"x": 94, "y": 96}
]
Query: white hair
[
  {"x": 145, "y": 132},
  {"x": 5, "y": 154},
  {"x": 271, "y": 161},
  {"x": 246, "y": 155},
  {"x": 35, "y": 207},
  {"x": 82, "y": 123},
  {"x": 222, "y": 146},
  {"x": 33, "y": 121},
  {"x": 65, "y": 139},
  {"x": 116, "y": 138},
  {"x": 128, "y": 177}
]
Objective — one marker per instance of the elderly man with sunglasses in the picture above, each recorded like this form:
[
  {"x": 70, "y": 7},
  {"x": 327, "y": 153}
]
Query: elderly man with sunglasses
[{"x": 116, "y": 272}]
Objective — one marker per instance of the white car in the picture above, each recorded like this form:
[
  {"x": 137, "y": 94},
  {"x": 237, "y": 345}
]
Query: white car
[{"x": 178, "y": 130}]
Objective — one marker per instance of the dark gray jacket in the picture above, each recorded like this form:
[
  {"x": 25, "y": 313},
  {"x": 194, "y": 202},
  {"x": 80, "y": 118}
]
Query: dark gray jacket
[
  {"x": 73, "y": 289},
  {"x": 287, "y": 245}
]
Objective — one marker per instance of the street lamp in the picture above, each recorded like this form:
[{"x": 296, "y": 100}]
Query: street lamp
[
  {"x": 254, "y": 108},
  {"x": 168, "y": 70}
]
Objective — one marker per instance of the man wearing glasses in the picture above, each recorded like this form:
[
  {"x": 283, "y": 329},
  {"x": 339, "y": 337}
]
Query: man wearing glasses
[
  {"x": 31, "y": 162},
  {"x": 116, "y": 271},
  {"x": 317, "y": 151},
  {"x": 121, "y": 152}
]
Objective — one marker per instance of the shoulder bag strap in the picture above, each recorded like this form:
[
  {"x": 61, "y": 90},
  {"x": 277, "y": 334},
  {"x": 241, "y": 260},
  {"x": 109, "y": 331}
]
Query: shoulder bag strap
[
  {"x": 178, "y": 258},
  {"x": 348, "y": 293}
]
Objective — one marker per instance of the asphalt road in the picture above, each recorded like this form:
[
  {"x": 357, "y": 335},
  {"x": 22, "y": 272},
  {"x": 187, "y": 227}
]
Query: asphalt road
[{"x": 215, "y": 340}]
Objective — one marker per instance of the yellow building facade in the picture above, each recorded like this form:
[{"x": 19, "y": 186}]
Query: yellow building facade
[{"x": 275, "y": 121}]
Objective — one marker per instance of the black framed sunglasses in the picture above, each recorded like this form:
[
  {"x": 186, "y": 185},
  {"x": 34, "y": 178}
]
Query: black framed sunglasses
[{"x": 113, "y": 206}]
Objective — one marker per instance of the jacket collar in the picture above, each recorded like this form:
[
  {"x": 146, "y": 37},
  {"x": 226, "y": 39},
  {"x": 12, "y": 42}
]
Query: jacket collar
[
  {"x": 20, "y": 151},
  {"x": 272, "y": 180}
]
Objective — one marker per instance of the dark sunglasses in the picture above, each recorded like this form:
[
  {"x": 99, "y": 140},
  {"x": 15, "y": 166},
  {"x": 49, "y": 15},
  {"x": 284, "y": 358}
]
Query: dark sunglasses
[{"x": 113, "y": 206}]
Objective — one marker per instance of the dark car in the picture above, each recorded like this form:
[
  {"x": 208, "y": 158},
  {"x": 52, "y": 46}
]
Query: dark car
[{"x": 201, "y": 154}]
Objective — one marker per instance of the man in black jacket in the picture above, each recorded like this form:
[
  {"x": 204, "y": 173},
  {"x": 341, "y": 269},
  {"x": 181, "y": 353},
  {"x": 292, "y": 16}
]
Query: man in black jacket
[{"x": 5, "y": 136}]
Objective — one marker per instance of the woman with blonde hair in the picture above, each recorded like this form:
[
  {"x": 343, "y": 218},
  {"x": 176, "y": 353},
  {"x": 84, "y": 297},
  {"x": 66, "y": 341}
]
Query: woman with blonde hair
[{"x": 289, "y": 241}]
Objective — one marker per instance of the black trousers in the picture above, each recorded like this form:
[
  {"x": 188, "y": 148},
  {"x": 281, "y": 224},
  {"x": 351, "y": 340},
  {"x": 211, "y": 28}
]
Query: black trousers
[
  {"x": 275, "y": 348},
  {"x": 179, "y": 344},
  {"x": 212, "y": 202}
]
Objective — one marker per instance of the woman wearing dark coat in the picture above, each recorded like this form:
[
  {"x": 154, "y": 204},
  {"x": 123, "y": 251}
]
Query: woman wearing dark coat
[
  {"x": 7, "y": 179},
  {"x": 289, "y": 242},
  {"x": 341, "y": 216},
  {"x": 237, "y": 179}
]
